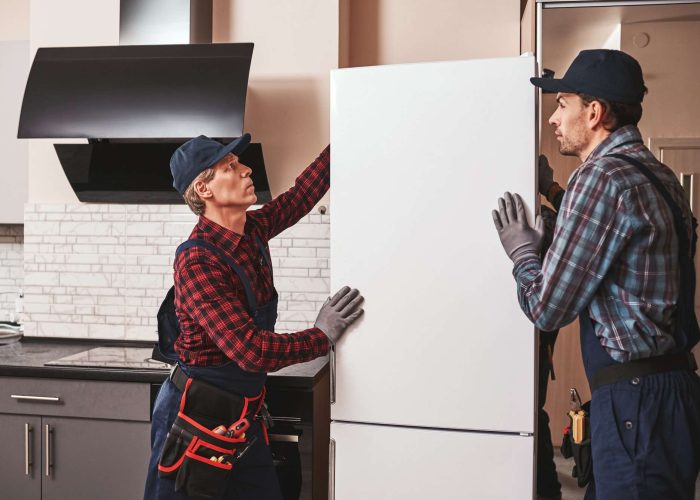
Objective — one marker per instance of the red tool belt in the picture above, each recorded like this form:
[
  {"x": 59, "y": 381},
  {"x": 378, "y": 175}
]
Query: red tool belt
[{"x": 207, "y": 437}]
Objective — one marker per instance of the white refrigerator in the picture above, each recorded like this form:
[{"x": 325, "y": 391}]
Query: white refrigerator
[{"x": 434, "y": 388}]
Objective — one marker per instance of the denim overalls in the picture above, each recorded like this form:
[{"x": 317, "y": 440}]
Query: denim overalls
[
  {"x": 645, "y": 431},
  {"x": 253, "y": 476}
]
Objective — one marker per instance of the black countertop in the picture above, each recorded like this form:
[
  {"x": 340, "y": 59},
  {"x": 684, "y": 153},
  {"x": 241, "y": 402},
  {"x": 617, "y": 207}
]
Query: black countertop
[{"x": 28, "y": 358}]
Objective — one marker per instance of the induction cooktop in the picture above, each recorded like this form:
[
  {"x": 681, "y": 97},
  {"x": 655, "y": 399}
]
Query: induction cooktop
[{"x": 112, "y": 357}]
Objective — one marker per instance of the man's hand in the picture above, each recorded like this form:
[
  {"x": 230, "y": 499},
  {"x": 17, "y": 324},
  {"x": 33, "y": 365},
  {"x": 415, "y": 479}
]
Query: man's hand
[
  {"x": 339, "y": 312},
  {"x": 517, "y": 237},
  {"x": 545, "y": 175}
]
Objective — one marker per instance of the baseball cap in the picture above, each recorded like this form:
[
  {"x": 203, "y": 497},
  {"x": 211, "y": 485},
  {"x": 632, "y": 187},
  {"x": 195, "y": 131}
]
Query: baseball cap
[
  {"x": 199, "y": 154},
  {"x": 608, "y": 74}
]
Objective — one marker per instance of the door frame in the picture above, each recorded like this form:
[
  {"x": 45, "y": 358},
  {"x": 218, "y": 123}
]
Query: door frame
[{"x": 657, "y": 145}]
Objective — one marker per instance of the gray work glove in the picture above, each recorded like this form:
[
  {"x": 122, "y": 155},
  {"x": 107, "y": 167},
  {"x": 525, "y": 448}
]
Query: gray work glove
[
  {"x": 339, "y": 312},
  {"x": 545, "y": 175},
  {"x": 517, "y": 237}
]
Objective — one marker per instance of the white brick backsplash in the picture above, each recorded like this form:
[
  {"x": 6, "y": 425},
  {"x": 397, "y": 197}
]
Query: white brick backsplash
[
  {"x": 281, "y": 271},
  {"x": 303, "y": 263},
  {"x": 101, "y": 271},
  {"x": 316, "y": 243},
  {"x": 302, "y": 285},
  {"x": 88, "y": 279},
  {"x": 318, "y": 231},
  {"x": 302, "y": 252}
]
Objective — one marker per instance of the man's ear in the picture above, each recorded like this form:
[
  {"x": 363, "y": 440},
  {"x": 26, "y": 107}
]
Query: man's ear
[
  {"x": 596, "y": 115},
  {"x": 202, "y": 190}
]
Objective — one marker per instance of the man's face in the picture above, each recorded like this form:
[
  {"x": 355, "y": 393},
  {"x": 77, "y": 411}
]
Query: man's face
[
  {"x": 569, "y": 119},
  {"x": 232, "y": 185}
]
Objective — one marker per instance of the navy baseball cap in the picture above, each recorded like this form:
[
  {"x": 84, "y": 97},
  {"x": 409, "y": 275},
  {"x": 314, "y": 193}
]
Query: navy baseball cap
[
  {"x": 607, "y": 74},
  {"x": 199, "y": 154}
]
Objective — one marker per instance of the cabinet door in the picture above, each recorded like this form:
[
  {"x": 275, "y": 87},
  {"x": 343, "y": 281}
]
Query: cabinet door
[
  {"x": 105, "y": 459},
  {"x": 20, "y": 463}
]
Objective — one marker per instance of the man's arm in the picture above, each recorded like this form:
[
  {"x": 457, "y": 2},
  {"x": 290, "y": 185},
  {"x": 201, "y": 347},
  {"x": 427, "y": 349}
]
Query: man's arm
[
  {"x": 208, "y": 297},
  {"x": 286, "y": 210},
  {"x": 591, "y": 231},
  {"x": 548, "y": 188}
]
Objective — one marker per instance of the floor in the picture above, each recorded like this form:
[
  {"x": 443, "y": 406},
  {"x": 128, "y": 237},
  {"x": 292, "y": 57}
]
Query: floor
[{"x": 569, "y": 488}]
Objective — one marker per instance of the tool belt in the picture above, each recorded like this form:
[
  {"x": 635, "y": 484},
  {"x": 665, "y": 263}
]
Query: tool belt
[
  {"x": 641, "y": 367},
  {"x": 576, "y": 443},
  {"x": 207, "y": 437}
]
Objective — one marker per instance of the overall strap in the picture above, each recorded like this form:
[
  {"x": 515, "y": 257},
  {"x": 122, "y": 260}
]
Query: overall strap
[
  {"x": 263, "y": 253},
  {"x": 687, "y": 322},
  {"x": 197, "y": 242}
]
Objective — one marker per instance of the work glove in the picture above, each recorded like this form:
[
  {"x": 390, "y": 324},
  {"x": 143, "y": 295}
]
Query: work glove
[
  {"x": 545, "y": 175},
  {"x": 339, "y": 312},
  {"x": 517, "y": 237}
]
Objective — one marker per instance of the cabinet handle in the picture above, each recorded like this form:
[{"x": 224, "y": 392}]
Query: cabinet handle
[
  {"x": 332, "y": 363},
  {"x": 291, "y": 420},
  {"x": 49, "y": 455},
  {"x": 331, "y": 469},
  {"x": 49, "y": 399},
  {"x": 28, "y": 448},
  {"x": 283, "y": 438}
]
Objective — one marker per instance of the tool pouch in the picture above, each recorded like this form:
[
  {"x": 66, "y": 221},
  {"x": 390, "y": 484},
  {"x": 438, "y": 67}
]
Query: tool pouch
[
  {"x": 199, "y": 459},
  {"x": 580, "y": 451}
]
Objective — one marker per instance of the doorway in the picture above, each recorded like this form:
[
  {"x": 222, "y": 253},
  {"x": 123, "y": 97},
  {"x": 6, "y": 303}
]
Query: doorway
[{"x": 663, "y": 37}]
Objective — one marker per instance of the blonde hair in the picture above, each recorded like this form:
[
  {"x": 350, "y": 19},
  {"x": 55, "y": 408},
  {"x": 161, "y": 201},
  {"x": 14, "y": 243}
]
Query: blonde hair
[{"x": 191, "y": 197}]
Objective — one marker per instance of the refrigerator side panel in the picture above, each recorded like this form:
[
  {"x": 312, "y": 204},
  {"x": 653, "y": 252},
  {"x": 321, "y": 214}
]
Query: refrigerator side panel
[
  {"x": 420, "y": 154},
  {"x": 380, "y": 462}
]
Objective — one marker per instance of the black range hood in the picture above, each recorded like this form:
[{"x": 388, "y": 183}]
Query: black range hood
[{"x": 136, "y": 105}]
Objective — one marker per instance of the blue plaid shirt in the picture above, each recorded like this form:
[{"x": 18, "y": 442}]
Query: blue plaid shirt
[{"x": 614, "y": 254}]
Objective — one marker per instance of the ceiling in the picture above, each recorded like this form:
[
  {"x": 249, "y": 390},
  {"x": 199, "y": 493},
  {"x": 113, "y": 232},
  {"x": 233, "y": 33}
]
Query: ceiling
[{"x": 561, "y": 20}]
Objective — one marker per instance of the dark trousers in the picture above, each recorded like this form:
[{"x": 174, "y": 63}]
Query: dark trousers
[
  {"x": 645, "y": 438},
  {"x": 252, "y": 478},
  {"x": 547, "y": 481}
]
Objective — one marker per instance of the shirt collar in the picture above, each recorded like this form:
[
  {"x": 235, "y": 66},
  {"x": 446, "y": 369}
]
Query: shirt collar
[
  {"x": 622, "y": 136},
  {"x": 223, "y": 238}
]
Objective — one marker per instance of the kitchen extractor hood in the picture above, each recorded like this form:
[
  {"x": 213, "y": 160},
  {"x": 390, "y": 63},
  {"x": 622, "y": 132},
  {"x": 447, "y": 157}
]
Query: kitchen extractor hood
[{"x": 136, "y": 105}]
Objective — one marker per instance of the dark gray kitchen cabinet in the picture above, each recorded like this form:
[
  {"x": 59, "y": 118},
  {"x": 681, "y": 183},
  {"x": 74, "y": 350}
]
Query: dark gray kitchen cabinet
[
  {"x": 81, "y": 439},
  {"x": 101, "y": 459},
  {"x": 20, "y": 460}
]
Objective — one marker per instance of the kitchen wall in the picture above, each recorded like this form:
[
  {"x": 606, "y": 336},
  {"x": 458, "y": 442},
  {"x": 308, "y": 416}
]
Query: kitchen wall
[
  {"x": 95, "y": 270},
  {"x": 14, "y": 26},
  {"x": 101, "y": 271}
]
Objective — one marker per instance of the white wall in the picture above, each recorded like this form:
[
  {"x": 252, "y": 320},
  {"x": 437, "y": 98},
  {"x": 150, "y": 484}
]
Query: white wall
[
  {"x": 64, "y": 23},
  {"x": 14, "y": 20},
  {"x": 401, "y": 31},
  {"x": 296, "y": 47}
]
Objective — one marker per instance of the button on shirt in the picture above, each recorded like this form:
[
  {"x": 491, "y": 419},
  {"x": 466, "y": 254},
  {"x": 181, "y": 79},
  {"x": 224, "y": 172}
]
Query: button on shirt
[
  {"x": 210, "y": 302},
  {"x": 614, "y": 254}
]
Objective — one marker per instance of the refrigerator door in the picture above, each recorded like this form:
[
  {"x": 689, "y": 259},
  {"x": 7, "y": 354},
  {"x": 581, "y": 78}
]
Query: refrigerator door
[
  {"x": 378, "y": 462},
  {"x": 421, "y": 152}
]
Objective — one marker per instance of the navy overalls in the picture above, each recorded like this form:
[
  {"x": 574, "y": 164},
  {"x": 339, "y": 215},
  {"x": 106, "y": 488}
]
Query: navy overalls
[
  {"x": 645, "y": 431},
  {"x": 253, "y": 476}
]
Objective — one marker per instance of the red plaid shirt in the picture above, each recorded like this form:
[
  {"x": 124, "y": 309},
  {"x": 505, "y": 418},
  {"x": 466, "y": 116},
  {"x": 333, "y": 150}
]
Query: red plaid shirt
[{"x": 209, "y": 297}]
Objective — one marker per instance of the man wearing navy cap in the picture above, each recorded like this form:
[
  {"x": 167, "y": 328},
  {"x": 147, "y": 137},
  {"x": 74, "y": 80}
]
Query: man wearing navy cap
[
  {"x": 226, "y": 305},
  {"x": 621, "y": 261}
]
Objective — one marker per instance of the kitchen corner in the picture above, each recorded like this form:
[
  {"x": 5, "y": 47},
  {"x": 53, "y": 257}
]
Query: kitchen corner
[{"x": 73, "y": 411}]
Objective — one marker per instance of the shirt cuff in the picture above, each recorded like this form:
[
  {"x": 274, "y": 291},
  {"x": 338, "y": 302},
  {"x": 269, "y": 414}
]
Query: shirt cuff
[{"x": 321, "y": 342}]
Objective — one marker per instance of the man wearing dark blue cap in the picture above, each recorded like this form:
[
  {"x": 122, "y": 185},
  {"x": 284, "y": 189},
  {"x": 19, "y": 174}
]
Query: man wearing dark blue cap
[
  {"x": 622, "y": 261},
  {"x": 226, "y": 305}
]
